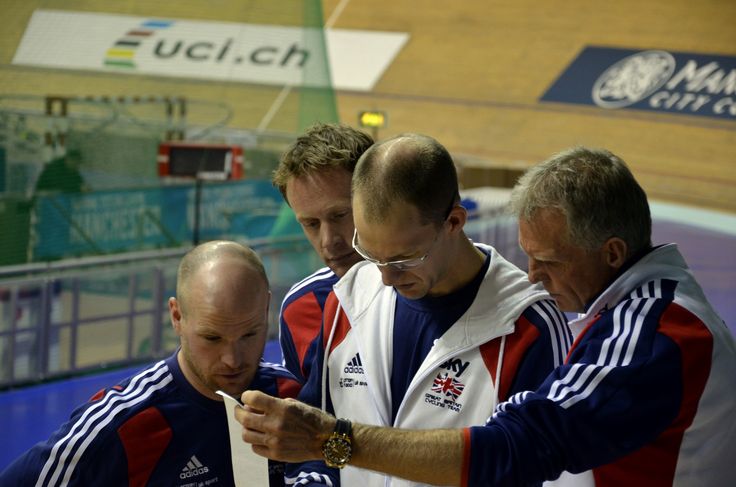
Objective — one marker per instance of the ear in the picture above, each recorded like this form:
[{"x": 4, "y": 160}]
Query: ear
[
  {"x": 457, "y": 218},
  {"x": 615, "y": 252},
  {"x": 175, "y": 314}
]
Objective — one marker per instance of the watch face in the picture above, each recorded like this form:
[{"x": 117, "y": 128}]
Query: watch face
[{"x": 337, "y": 451}]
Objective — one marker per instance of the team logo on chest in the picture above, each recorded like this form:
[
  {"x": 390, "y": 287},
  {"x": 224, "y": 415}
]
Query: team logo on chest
[
  {"x": 353, "y": 368},
  {"x": 447, "y": 386},
  {"x": 194, "y": 468}
]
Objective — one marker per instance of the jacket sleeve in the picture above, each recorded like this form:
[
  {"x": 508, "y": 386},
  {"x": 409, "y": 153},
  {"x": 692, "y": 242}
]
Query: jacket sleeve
[
  {"x": 288, "y": 348},
  {"x": 617, "y": 392},
  {"x": 316, "y": 472},
  {"x": 311, "y": 392},
  {"x": 312, "y": 473},
  {"x": 300, "y": 322}
]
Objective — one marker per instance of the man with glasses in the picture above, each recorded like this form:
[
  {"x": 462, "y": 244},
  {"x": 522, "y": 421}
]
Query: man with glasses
[{"x": 431, "y": 330}]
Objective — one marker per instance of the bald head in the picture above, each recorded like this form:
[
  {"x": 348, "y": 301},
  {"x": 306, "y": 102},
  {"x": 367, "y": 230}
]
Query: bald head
[
  {"x": 408, "y": 168},
  {"x": 220, "y": 270},
  {"x": 221, "y": 316}
]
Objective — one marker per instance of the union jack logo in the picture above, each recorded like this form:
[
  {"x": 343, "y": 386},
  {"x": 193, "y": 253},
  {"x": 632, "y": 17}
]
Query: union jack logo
[{"x": 447, "y": 385}]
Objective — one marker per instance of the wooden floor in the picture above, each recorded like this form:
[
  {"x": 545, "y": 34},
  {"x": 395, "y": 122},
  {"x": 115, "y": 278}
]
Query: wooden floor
[{"x": 471, "y": 75}]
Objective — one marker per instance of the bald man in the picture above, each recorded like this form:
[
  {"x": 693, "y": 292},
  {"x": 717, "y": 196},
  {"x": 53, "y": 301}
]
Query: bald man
[{"x": 166, "y": 425}]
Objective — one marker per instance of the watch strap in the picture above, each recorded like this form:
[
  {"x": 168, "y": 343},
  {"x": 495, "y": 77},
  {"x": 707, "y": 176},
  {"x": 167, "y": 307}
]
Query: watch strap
[{"x": 344, "y": 427}]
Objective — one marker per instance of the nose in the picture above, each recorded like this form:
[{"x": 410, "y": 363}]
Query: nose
[
  {"x": 231, "y": 356},
  {"x": 535, "y": 271},
  {"x": 389, "y": 275},
  {"x": 330, "y": 237}
]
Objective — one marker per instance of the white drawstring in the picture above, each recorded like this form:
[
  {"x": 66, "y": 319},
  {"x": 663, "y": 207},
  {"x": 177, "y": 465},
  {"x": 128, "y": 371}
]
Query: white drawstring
[{"x": 497, "y": 386}]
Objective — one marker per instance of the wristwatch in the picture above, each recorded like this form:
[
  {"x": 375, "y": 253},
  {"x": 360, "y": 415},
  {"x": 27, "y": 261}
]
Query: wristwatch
[{"x": 338, "y": 448}]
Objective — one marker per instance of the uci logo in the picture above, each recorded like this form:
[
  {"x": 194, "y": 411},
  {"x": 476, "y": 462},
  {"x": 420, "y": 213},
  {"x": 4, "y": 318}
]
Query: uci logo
[{"x": 633, "y": 78}]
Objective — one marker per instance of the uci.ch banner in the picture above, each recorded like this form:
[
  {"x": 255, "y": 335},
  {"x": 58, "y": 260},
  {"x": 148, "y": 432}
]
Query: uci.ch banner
[{"x": 653, "y": 80}]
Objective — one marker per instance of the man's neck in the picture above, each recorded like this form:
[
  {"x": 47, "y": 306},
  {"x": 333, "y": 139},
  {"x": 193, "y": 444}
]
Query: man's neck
[{"x": 467, "y": 262}]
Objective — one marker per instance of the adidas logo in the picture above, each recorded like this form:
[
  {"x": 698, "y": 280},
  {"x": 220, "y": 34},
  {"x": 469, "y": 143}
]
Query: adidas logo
[
  {"x": 355, "y": 366},
  {"x": 193, "y": 468}
]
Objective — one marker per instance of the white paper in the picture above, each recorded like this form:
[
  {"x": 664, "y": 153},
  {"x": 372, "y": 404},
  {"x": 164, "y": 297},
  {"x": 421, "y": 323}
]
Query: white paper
[{"x": 249, "y": 469}]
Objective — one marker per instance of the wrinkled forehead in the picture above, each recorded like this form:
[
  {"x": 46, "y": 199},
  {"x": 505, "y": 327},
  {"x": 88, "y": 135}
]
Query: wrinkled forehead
[{"x": 544, "y": 228}]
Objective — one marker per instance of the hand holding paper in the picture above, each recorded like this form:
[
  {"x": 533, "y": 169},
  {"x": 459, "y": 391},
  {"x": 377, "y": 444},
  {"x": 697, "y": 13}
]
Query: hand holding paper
[{"x": 283, "y": 429}]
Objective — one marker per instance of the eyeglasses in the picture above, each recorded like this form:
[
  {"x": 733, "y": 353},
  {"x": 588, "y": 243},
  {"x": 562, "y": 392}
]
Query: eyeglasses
[
  {"x": 403, "y": 264},
  {"x": 399, "y": 265}
]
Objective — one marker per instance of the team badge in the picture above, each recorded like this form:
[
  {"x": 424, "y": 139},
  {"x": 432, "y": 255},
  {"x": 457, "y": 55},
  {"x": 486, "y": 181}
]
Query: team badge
[
  {"x": 353, "y": 374},
  {"x": 446, "y": 387},
  {"x": 449, "y": 386}
]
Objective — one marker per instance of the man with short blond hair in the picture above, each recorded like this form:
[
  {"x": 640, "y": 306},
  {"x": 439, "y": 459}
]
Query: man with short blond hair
[{"x": 314, "y": 177}]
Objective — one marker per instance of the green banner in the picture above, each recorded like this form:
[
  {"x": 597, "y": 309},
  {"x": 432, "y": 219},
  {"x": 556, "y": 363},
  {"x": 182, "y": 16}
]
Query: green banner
[{"x": 103, "y": 222}]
